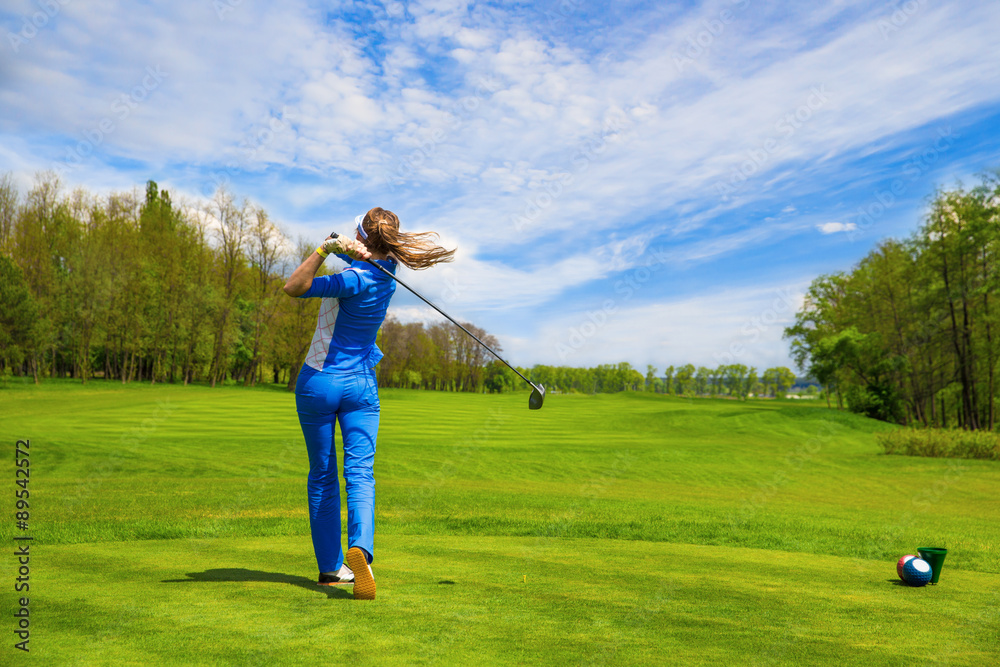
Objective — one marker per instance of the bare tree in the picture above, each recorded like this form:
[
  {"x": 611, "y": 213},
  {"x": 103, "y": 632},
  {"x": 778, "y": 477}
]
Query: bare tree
[
  {"x": 10, "y": 199},
  {"x": 231, "y": 226},
  {"x": 265, "y": 247}
]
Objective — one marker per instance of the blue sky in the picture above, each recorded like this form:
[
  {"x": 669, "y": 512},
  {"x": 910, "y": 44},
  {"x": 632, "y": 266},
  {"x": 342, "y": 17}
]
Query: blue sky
[{"x": 644, "y": 182}]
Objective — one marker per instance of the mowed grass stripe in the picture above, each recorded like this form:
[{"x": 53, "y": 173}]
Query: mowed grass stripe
[
  {"x": 138, "y": 462},
  {"x": 499, "y": 600}
]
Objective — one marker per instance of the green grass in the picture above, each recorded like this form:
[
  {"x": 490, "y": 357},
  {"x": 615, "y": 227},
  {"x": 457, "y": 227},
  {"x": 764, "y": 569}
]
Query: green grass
[{"x": 170, "y": 528}]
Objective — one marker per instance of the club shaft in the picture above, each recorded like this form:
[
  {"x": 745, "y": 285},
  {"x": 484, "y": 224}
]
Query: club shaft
[{"x": 476, "y": 338}]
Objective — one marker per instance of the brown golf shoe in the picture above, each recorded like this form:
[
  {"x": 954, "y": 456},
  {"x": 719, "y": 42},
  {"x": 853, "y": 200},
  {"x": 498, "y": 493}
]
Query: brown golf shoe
[{"x": 364, "y": 580}]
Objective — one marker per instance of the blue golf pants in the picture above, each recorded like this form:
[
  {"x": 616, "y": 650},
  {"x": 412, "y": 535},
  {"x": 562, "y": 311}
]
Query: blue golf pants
[{"x": 323, "y": 399}]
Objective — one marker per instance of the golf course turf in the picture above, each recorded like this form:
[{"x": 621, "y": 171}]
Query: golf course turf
[{"x": 170, "y": 527}]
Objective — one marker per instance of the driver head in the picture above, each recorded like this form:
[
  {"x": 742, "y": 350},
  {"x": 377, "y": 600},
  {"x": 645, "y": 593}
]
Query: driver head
[{"x": 537, "y": 397}]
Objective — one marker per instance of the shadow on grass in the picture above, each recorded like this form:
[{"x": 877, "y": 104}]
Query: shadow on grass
[
  {"x": 242, "y": 574},
  {"x": 898, "y": 582}
]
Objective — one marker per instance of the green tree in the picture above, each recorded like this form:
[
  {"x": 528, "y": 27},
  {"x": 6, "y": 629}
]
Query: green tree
[
  {"x": 497, "y": 378},
  {"x": 752, "y": 382},
  {"x": 784, "y": 379},
  {"x": 684, "y": 379},
  {"x": 702, "y": 380},
  {"x": 18, "y": 313},
  {"x": 735, "y": 379}
]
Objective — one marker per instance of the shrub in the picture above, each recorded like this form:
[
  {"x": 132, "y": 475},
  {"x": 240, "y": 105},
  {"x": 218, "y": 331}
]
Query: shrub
[
  {"x": 878, "y": 401},
  {"x": 950, "y": 443}
]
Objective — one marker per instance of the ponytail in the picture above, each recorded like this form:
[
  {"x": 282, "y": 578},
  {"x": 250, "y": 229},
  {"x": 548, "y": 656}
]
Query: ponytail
[{"x": 415, "y": 251}]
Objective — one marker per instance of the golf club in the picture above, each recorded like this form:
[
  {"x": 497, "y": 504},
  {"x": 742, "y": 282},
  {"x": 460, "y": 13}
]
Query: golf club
[{"x": 538, "y": 391}]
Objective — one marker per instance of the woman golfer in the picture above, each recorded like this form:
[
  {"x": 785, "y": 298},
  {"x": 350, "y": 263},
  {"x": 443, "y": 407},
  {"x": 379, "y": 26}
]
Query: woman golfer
[{"x": 337, "y": 384}]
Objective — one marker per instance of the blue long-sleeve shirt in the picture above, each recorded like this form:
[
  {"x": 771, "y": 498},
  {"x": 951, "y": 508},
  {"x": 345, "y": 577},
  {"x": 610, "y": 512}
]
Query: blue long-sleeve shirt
[{"x": 354, "y": 305}]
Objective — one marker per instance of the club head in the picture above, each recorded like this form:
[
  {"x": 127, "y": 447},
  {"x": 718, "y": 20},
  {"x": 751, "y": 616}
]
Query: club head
[{"x": 537, "y": 397}]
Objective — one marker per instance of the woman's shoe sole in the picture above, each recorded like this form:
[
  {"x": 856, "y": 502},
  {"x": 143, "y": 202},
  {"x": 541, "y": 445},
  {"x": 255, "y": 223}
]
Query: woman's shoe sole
[{"x": 364, "y": 582}]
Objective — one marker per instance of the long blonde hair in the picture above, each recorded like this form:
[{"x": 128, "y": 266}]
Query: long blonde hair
[{"x": 415, "y": 251}]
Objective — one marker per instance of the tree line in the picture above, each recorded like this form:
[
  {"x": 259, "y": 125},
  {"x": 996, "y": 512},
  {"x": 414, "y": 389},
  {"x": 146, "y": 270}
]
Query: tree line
[
  {"x": 135, "y": 287},
  {"x": 911, "y": 334},
  {"x": 441, "y": 356},
  {"x": 726, "y": 380}
]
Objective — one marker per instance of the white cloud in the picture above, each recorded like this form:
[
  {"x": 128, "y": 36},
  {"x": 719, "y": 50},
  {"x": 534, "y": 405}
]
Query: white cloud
[
  {"x": 834, "y": 227},
  {"x": 527, "y": 142},
  {"x": 684, "y": 131},
  {"x": 734, "y": 326},
  {"x": 474, "y": 39},
  {"x": 423, "y": 314}
]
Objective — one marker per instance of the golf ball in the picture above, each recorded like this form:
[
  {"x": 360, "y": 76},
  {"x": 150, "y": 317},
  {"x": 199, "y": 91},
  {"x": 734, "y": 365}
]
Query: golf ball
[
  {"x": 901, "y": 562},
  {"x": 917, "y": 572}
]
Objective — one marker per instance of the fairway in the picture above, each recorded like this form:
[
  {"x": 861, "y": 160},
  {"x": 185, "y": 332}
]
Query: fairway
[{"x": 170, "y": 527}]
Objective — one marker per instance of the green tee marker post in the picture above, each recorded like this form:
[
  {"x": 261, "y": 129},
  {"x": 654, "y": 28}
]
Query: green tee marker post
[{"x": 935, "y": 558}]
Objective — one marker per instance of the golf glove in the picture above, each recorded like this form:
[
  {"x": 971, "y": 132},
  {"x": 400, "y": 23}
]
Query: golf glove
[{"x": 344, "y": 246}]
